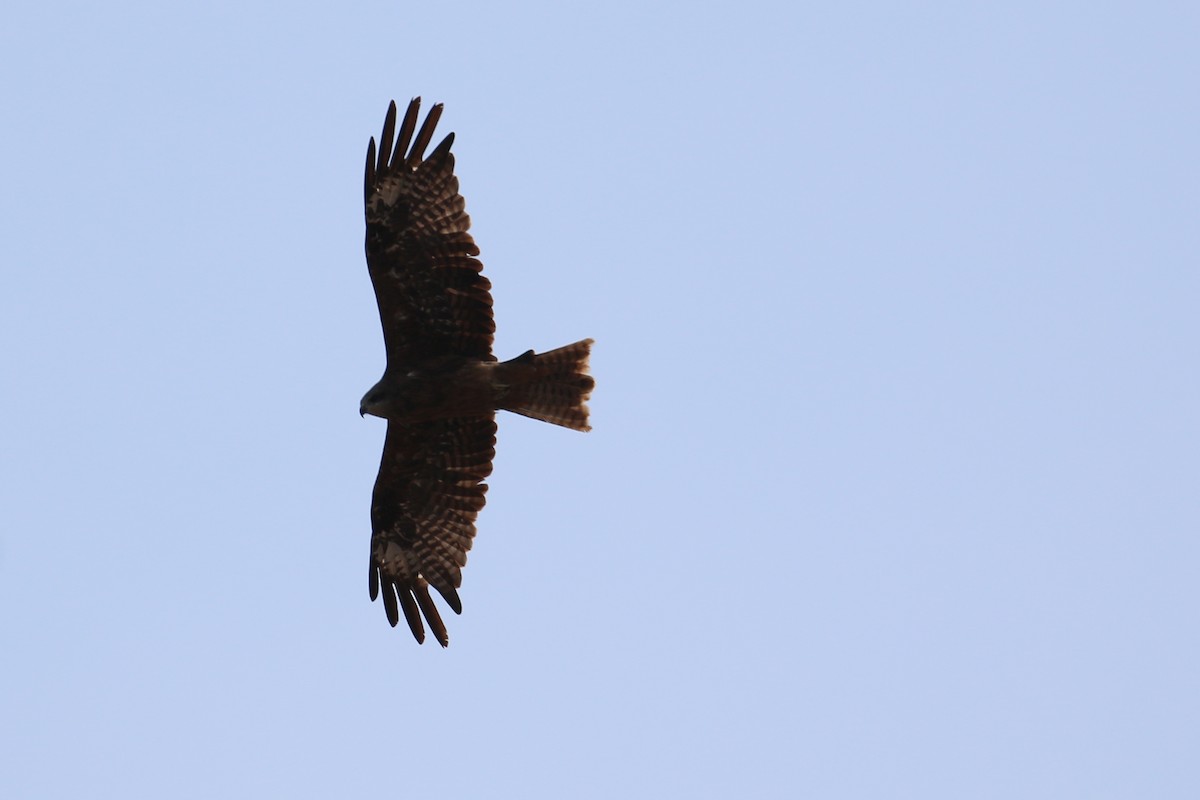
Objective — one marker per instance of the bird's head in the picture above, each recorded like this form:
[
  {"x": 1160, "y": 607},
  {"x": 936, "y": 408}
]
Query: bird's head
[
  {"x": 394, "y": 397},
  {"x": 374, "y": 402},
  {"x": 391, "y": 398}
]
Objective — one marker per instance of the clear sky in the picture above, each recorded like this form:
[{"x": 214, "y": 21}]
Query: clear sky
[{"x": 893, "y": 487}]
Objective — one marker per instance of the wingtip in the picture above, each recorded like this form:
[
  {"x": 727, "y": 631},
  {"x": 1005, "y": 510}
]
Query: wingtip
[
  {"x": 443, "y": 147},
  {"x": 450, "y": 594},
  {"x": 389, "y": 604}
]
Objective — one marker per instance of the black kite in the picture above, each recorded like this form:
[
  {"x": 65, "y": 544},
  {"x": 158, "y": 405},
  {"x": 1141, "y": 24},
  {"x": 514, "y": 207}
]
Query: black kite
[{"x": 442, "y": 386}]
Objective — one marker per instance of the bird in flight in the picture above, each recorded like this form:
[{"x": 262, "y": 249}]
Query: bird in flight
[{"x": 442, "y": 386}]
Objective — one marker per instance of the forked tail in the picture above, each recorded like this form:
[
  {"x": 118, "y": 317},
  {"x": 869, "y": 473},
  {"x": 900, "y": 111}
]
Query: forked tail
[{"x": 553, "y": 387}]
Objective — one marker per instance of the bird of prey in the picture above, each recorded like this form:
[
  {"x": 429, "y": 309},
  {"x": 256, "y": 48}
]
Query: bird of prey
[{"x": 442, "y": 386}]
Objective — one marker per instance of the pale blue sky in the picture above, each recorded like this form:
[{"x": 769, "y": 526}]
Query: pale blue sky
[{"x": 892, "y": 491}]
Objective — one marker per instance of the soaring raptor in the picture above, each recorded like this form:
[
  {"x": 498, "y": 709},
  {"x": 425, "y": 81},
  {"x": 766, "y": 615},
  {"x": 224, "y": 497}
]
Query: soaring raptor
[{"x": 442, "y": 386}]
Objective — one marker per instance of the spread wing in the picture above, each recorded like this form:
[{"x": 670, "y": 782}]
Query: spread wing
[
  {"x": 429, "y": 491},
  {"x": 433, "y": 300}
]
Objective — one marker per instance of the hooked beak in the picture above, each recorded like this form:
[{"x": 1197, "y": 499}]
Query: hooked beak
[{"x": 362, "y": 411}]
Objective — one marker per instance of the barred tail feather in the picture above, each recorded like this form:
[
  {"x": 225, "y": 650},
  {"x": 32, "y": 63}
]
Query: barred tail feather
[{"x": 553, "y": 386}]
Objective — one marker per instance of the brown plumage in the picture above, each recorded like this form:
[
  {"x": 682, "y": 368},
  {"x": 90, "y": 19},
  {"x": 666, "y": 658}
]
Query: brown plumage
[{"x": 442, "y": 385}]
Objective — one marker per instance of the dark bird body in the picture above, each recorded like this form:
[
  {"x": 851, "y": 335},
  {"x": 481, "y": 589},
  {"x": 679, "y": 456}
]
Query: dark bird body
[{"x": 442, "y": 386}]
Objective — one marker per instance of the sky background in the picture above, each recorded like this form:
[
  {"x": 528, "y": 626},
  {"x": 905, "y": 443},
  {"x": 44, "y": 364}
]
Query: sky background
[{"x": 892, "y": 491}]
